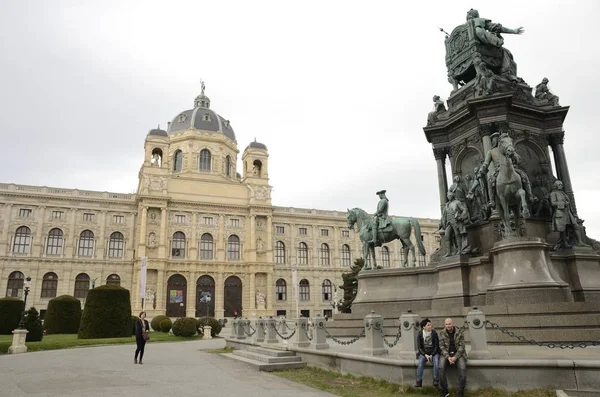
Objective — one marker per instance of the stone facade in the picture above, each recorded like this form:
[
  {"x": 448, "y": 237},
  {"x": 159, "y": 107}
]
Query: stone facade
[{"x": 204, "y": 229}]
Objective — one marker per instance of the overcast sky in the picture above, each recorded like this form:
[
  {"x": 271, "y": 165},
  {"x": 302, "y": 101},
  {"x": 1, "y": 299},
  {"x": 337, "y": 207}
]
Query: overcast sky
[{"x": 338, "y": 90}]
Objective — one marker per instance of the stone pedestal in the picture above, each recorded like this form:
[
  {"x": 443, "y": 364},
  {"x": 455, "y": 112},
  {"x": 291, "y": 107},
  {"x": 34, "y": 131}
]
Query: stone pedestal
[
  {"x": 18, "y": 342},
  {"x": 300, "y": 339},
  {"x": 374, "y": 335},
  {"x": 259, "y": 333},
  {"x": 410, "y": 329},
  {"x": 523, "y": 273},
  {"x": 271, "y": 331},
  {"x": 477, "y": 333},
  {"x": 319, "y": 340},
  {"x": 207, "y": 332}
]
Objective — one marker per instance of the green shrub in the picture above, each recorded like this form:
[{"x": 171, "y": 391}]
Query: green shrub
[
  {"x": 156, "y": 321},
  {"x": 10, "y": 314},
  {"x": 107, "y": 313},
  {"x": 185, "y": 326},
  {"x": 213, "y": 322},
  {"x": 33, "y": 323},
  {"x": 165, "y": 325},
  {"x": 63, "y": 315},
  {"x": 134, "y": 321}
]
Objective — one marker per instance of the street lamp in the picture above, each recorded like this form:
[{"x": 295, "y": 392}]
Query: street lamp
[
  {"x": 26, "y": 285},
  {"x": 182, "y": 313},
  {"x": 207, "y": 305}
]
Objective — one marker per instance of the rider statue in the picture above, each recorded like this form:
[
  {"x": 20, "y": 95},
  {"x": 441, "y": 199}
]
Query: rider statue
[
  {"x": 381, "y": 219},
  {"x": 494, "y": 156}
]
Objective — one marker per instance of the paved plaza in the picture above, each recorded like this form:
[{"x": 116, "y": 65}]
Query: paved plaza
[{"x": 170, "y": 369}]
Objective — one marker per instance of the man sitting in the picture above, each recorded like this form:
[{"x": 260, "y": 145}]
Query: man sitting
[{"x": 452, "y": 348}]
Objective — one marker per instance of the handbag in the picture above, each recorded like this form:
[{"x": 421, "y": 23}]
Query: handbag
[{"x": 145, "y": 336}]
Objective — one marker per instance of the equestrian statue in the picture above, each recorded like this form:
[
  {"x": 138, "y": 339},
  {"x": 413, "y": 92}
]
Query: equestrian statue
[{"x": 381, "y": 229}]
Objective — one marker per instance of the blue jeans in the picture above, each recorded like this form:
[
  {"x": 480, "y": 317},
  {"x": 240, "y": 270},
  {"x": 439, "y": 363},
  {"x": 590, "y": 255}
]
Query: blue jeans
[{"x": 421, "y": 367}]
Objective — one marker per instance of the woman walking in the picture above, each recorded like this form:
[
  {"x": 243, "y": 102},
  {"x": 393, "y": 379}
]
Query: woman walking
[{"x": 141, "y": 336}]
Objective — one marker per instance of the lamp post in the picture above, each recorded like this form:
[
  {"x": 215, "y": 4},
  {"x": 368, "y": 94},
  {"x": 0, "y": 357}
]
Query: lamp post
[
  {"x": 207, "y": 305},
  {"x": 26, "y": 286},
  {"x": 182, "y": 313}
]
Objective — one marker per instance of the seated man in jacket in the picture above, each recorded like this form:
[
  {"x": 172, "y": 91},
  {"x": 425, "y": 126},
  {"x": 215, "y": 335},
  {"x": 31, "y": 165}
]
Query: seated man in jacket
[
  {"x": 429, "y": 349},
  {"x": 452, "y": 349}
]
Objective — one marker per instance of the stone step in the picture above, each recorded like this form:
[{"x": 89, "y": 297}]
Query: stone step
[
  {"x": 266, "y": 358},
  {"x": 581, "y": 393},
  {"x": 261, "y": 366},
  {"x": 271, "y": 352}
]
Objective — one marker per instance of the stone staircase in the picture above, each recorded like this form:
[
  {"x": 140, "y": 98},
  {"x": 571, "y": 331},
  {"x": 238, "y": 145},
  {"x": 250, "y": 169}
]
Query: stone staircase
[{"x": 267, "y": 359}]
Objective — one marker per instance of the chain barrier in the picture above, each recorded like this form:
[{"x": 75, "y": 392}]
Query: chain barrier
[
  {"x": 398, "y": 335},
  {"x": 549, "y": 345},
  {"x": 248, "y": 333},
  {"x": 288, "y": 327},
  {"x": 344, "y": 342},
  {"x": 281, "y": 336}
]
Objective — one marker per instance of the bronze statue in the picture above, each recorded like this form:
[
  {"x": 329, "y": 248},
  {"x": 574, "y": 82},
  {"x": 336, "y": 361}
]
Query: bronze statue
[
  {"x": 453, "y": 226},
  {"x": 506, "y": 193},
  {"x": 381, "y": 219},
  {"x": 460, "y": 192},
  {"x": 564, "y": 217},
  {"x": 438, "y": 107},
  {"x": 542, "y": 92},
  {"x": 476, "y": 194},
  {"x": 484, "y": 80},
  {"x": 399, "y": 228}
]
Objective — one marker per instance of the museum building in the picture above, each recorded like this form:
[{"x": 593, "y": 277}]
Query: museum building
[{"x": 209, "y": 235}]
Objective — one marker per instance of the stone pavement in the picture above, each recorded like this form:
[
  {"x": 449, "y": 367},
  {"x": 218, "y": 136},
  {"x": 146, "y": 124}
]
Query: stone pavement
[{"x": 170, "y": 369}]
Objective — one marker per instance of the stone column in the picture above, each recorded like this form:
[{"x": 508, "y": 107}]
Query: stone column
[
  {"x": 269, "y": 297},
  {"x": 193, "y": 241},
  {"x": 162, "y": 241},
  {"x": 374, "y": 335},
  {"x": 220, "y": 254},
  {"x": 319, "y": 340},
  {"x": 190, "y": 304},
  {"x": 477, "y": 332},
  {"x": 7, "y": 218},
  {"x": 562, "y": 169},
  {"x": 252, "y": 277},
  {"x": 485, "y": 131},
  {"x": 142, "y": 240},
  {"x": 219, "y": 291},
  {"x": 101, "y": 253},
  {"x": 440, "y": 158},
  {"x": 408, "y": 322},
  {"x": 252, "y": 245},
  {"x": 161, "y": 291},
  {"x": 335, "y": 260},
  {"x": 39, "y": 237},
  {"x": 269, "y": 239}
]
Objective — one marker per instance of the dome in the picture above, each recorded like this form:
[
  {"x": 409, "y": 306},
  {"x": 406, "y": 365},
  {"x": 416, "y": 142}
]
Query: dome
[
  {"x": 201, "y": 117},
  {"x": 157, "y": 132},
  {"x": 257, "y": 145}
]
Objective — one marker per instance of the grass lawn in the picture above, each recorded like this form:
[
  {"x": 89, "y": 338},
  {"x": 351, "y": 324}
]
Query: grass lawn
[
  {"x": 66, "y": 341},
  {"x": 352, "y": 386}
]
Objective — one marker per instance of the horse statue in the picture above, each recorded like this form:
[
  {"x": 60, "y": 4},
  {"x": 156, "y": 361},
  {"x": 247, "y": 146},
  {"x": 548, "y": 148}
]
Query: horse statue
[
  {"x": 510, "y": 195},
  {"x": 400, "y": 229}
]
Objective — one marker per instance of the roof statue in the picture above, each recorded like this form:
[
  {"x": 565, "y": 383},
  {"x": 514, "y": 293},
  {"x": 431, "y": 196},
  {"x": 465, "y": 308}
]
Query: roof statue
[{"x": 202, "y": 86}]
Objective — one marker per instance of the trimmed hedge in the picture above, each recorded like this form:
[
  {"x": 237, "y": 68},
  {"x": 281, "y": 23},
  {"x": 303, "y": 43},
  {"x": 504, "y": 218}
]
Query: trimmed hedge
[
  {"x": 156, "y": 321},
  {"x": 211, "y": 321},
  {"x": 33, "y": 323},
  {"x": 107, "y": 313},
  {"x": 166, "y": 325},
  {"x": 63, "y": 315},
  {"x": 185, "y": 326},
  {"x": 134, "y": 321},
  {"x": 10, "y": 314}
]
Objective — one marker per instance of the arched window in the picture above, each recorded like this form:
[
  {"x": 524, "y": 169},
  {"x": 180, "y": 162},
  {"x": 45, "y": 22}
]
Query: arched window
[
  {"x": 49, "y": 285},
  {"x": 233, "y": 247},
  {"x": 178, "y": 245},
  {"x": 22, "y": 240},
  {"x": 205, "y": 160},
  {"x": 326, "y": 287},
  {"x": 86, "y": 243},
  {"x": 385, "y": 256},
  {"x": 82, "y": 286},
  {"x": 279, "y": 252},
  {"x": 115, "y": 245},
  {"x": 304, "y": 290},
  {"x": 206, "y": 246},
  {"x": 281, "y": 290},
  {"x": 228, "y": 166},
  {"x": 346, "y": 259},
  {"x": 14, "y": 288},
  {"x": 177, "y": 160},
  {"x": 303, "y": 254},
  {"x": 324, "y": 255},
  {"x": 54, "y": 244},
  {"x": 113, "y": 279}
]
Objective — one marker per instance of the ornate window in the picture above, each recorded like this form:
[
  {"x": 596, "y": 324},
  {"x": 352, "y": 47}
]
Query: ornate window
[
  {"x": 86, "y": 243},
  {"x": 233, "y": 247},
  {"x": 228, "y": 166},
  {"x": 303, "y": 254},
  {"x": 304, "y": 290},
  {"x": 116, "y": 245},
  {"x": 279, "y": 252},
  {"x": 281, "y": 290},
  {"x": 113, "y": 279},
  {"x": 326, "y": 287},
  {"x": 22, "y": 240},
  {"x": 178, "y": 245},
  {"x": 14, "y": 288},
  {"x": 177, "y": 160},
  {"x": 346, "y": 259},
  {"x": 324, "y": 255},
  {"x": 82, "y": 286},
  {"x": 205, "y": 160},
  {"x": 49, "y": 285},
  {"x": 385, "y": 256},
  {"x": 54, "y": 245},
  {"x": 206, "y": 246}
]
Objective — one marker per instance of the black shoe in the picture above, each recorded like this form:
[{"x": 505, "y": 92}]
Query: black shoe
[
  {"x": 141, "y": 362},
  {"x": 419, "y": 383}
]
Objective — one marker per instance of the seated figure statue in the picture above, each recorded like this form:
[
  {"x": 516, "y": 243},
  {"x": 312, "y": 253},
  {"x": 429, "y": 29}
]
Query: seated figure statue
[{"x": 542, "y": 92}]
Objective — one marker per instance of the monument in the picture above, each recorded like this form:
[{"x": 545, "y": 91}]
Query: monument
[{"x": 511, "y": 234}]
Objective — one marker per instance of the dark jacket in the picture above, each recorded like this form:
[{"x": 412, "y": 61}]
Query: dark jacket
[
  {"x": 434, "y": 340},
  {"x": 139, "y": 329},
  {"x": 459, "y": 343}
]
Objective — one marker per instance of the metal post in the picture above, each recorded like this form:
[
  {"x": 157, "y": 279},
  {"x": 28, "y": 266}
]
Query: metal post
[{"x": 25, "y": 293}]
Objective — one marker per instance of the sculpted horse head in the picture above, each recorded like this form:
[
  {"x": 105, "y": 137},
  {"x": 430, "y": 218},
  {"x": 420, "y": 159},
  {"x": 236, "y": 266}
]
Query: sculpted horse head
[{"x": 506, "y": 145}]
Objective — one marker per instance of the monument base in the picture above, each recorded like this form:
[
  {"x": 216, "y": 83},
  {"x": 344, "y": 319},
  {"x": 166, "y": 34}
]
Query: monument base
[{"x": 18, "y": 342}]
